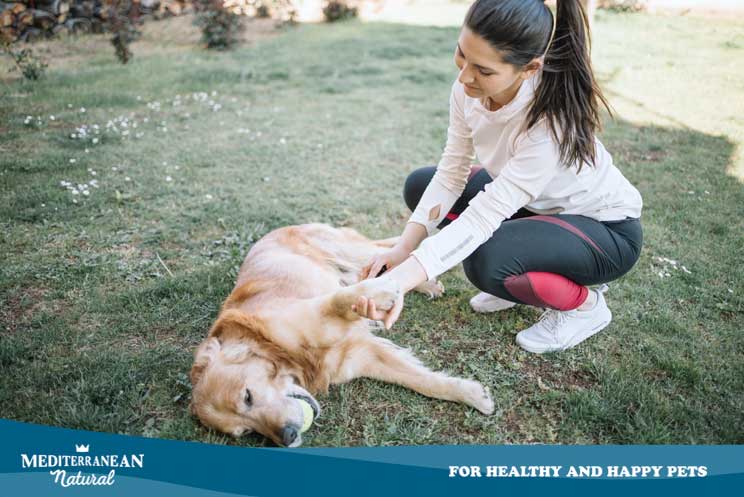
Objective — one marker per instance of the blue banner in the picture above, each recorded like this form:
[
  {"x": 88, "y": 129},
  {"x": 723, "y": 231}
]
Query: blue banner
[{"x": 43, "y": 460}]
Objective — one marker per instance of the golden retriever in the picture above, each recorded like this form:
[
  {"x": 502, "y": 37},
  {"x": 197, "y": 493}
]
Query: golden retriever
[{"x": 287, "y": 332}]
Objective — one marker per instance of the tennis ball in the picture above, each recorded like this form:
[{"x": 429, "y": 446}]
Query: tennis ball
[{"x": 307, "y": 415}]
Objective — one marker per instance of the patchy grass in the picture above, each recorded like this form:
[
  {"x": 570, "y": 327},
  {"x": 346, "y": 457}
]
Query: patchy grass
[{"x": 106, "y": 294}]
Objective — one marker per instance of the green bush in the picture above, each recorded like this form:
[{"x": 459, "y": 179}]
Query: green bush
[
  {"x": 338, "y": 10},
  {"x": 220, "y": 27},
  {"x": 623, "y": 5},
  {"x": 123, "y": 19},
  {"x": 31, "y": 66}
]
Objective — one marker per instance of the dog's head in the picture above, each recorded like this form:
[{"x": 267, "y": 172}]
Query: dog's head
[{"x": 243, "y": 382}]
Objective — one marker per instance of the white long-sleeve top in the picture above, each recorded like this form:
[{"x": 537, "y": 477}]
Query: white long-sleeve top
[{"x": 526, "y": 172}]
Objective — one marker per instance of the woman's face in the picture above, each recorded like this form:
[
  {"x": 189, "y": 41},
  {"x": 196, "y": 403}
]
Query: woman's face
[{"x": 483, "y": 71}]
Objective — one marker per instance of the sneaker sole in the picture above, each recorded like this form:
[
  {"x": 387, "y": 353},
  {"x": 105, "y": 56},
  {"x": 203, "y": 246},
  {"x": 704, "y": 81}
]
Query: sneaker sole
[
  {"x": 481, "y": 310},
  {"x": 572, "y": 343}
]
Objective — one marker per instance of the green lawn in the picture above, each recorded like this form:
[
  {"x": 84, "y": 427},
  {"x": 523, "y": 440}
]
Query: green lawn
[{"x": 105, "y": 295}]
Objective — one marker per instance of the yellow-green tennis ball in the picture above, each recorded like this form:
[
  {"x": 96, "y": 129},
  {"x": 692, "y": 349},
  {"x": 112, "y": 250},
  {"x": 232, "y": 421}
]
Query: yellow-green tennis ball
[{"x": 307, "y": 415}]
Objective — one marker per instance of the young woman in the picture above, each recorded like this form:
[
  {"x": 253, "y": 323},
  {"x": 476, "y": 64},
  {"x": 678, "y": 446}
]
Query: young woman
[{"x": 547, "y": 213}]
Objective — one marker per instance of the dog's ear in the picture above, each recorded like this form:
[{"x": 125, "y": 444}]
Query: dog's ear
[{"x": 203, "y": 357}]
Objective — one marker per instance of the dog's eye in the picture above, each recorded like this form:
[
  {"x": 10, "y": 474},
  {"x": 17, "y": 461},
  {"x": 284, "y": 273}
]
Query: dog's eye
[{"x": 248, "y": 399}]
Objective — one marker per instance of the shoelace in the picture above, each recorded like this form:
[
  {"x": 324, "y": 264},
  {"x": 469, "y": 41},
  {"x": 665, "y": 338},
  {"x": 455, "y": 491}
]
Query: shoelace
[{"x": 552, "y": 319}]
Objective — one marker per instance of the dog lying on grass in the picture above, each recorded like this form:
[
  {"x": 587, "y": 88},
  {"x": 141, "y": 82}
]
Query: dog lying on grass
[{"x": 287, "y": 331}]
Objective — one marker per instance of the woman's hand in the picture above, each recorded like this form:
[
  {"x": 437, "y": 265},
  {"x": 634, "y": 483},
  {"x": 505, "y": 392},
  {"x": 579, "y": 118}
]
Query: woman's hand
[
  {"x": 366, "y": 307},
  {"x": 408, "y": 274},
  {"x": 388, "y": 259}
]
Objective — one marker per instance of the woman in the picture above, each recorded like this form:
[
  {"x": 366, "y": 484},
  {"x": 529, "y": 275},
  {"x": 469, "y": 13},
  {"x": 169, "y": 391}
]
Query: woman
[{"x": 548, "y": 213}]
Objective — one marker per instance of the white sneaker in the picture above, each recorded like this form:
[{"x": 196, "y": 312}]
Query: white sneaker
[
  {"x": 561, "y": 330},
  {"x": 485, "y": 302}
]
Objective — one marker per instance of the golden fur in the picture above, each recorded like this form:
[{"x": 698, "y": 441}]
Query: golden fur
[{"x": 287, "y": 331}]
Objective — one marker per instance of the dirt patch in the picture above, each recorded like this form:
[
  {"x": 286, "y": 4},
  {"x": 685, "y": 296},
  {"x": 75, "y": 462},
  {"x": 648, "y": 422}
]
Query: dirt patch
[
  {"x": 20, "y": 307},
  {"x": 548, "y": 376}
]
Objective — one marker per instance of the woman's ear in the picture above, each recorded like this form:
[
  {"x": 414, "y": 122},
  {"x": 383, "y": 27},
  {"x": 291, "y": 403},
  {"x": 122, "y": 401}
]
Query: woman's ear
[{"x": 531, "y": 68}]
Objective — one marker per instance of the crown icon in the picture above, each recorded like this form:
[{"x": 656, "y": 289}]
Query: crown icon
[{"x": 82, "y": 448}]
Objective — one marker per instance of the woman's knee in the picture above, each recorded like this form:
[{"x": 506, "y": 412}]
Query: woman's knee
[
  {"x": 487, "y": 270},
  {"x": 415, "y": 185}
]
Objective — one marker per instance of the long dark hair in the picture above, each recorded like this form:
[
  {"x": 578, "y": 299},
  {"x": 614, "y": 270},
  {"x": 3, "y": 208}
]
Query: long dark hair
[{"x": 568, "y": 97}]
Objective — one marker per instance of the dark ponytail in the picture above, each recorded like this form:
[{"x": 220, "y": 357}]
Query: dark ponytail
[{"x": 568, "y": 98}]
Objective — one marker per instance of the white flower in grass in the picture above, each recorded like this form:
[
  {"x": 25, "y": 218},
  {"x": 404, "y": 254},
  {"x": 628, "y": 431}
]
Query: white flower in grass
[
  {"x": 165, "y": 163},
  {"x": 87, "y": 150},
  {"x": 208, "y": 196},
  {"x": 72, "y": 161},
  {"x": 95, "y": 140},
  {"x": 113, "y": 168},
  {"x": 74, "y": 201},
  {"x": 74, "y": 192},
  {"x": 168, "y": 178},
  {"x": 69, "y": 106},
  {"x": 86, "y": 192},
  {"x": 127, "y": 179},
  {"x": 51, "y": 118},
  {"x": 82, "y": 110},
  {"x": 147, "y": 120},
  {"x": 283, "y": 141}
]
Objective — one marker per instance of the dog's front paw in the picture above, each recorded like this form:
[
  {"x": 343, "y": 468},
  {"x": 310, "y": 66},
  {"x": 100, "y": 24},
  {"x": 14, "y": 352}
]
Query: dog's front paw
[
  {"x": 476, "y": 395},
  {"x": 432, "y": 288},
  {"x": 384, "y": 291}
]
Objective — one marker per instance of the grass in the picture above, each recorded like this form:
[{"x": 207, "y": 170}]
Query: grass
[{"x": 104, "y": 300}]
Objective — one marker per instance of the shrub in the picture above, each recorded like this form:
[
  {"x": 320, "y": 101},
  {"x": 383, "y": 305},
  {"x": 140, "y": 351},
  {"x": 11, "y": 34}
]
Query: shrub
[
  {"x": 220, "y": 27},
  {"x": 338, "y": 10},
  {"x": 122, "y": 21},
  {"x": 623, "y": 5},
  {"x": 31, "y": 66}
]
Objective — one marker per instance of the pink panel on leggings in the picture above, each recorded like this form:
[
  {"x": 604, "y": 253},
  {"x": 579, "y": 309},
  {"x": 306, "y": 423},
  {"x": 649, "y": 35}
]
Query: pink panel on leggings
[
  {"x": 473, "y": 171},
  {"x": 568, "y": 226},
  {"x": 546, "y": 290}
]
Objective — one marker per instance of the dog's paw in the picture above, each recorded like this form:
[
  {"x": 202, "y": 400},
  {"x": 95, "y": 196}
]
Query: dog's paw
[
  {"x": 383, "y": 291},
  {"x": 477, "y": 396},
  {"x": 432, "y": 288}
]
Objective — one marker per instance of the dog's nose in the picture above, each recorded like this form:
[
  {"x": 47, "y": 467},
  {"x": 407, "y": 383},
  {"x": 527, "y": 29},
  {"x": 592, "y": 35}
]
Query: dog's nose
[{"x": 289, "y": 435}]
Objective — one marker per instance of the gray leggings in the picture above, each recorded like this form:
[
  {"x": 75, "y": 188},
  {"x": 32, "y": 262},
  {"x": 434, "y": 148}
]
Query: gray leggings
[{"x": 539, "y": 260}]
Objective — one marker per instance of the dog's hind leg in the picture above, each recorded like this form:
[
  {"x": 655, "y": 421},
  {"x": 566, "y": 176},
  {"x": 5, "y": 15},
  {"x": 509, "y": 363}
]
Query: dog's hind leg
[{"x": 381, "y": 359}]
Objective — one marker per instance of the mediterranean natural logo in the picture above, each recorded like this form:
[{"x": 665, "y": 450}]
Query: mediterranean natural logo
[{"x": 66, "y": 469}]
